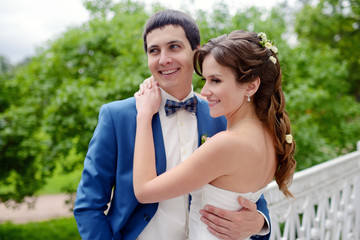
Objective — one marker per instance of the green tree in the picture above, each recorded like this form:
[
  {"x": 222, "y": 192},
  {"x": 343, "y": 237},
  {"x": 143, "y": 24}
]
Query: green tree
[
  {"x": 5, "y": 73},
  {"x": 336, "y": 24},
  {"x": 325, "y": 64},
  {"x": 5, "y": 65},
  {"x": 57, "y": 95},
  {"x": 99, "y": 8}
]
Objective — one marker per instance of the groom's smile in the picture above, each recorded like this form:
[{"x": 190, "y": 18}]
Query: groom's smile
[{"x": 170, "y": 60}]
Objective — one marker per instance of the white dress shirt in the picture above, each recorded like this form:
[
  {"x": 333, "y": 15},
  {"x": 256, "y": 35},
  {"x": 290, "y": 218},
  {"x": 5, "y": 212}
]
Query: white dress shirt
[{"x": 180, "y": 135}]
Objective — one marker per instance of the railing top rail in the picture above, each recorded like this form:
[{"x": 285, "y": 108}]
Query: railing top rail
[
  {"x": 330, "y": 172},
  {"x": 348, "y": 160}
]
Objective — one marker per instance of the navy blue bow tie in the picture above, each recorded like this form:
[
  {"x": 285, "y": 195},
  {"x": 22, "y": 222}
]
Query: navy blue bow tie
[{"x": 172, "y": 106}]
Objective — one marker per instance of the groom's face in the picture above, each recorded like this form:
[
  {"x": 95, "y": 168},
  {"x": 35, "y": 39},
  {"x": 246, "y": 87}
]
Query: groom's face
[{"x": 170, "y": 60}]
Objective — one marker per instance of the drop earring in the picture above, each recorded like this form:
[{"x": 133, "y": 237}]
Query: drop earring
[{"x": 248, "y": 98}]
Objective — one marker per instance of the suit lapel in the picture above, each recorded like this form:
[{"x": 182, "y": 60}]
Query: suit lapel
[
  {"x": 202, "y": 115},
  {"x": 159, "y": 145}
]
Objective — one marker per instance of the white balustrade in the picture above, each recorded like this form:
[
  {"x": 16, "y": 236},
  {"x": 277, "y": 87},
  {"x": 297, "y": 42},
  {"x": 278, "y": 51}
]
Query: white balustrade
[{"x": 326, "y": 204}]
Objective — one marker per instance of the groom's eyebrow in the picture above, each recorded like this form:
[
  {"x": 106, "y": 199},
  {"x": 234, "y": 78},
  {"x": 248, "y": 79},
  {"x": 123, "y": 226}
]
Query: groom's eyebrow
[
  {"x": 168, "y": 43},
  {"x": 175, "y": 41}
]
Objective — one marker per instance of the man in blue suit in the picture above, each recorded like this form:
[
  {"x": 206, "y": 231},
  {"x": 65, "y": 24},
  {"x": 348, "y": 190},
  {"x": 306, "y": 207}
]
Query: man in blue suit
[{"x": 170, "y": 39}]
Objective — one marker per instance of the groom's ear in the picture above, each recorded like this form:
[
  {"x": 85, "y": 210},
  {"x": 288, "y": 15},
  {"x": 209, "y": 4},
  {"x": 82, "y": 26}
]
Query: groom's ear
[{"x": 253, "y": 86}]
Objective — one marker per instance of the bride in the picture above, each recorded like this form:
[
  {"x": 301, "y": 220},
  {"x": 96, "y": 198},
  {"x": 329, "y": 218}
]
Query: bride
[{"x": 243, "y": 83}]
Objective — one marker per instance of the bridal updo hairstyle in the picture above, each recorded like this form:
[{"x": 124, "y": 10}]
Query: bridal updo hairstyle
[{"x": 243, "y": 53}]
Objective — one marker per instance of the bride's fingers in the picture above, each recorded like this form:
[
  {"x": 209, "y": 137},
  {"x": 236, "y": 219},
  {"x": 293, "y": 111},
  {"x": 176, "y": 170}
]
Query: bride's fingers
[
  {"x": 145, "y": 89},
  {"x": 141, "y": 89},
  {"x": 157, "y": 90},
  {"x": 137, "y": 94},
  {"x": 149, "y": 82},
  {"x": 152, "y": 81}
]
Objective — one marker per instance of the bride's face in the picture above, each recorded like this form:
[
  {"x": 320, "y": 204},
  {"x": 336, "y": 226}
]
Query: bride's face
[{"x": 224, "y": 94}]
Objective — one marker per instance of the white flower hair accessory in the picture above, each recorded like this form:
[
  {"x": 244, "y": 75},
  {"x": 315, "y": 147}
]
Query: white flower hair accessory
[
  {"x": 289, "y": 138},
  {"x": 274, "y": 49},
  {"x": 272, "y": 59},
  {"x": 266, "y": 43}
]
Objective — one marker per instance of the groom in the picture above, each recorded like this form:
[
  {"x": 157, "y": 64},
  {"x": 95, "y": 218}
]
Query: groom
[{"x": 170, "y": 38}]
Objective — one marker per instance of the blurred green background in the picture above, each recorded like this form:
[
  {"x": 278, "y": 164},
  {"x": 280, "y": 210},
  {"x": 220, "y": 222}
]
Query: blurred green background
[{"x": 49, "y": 103}]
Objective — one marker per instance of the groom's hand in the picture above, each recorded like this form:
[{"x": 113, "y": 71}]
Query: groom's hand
[{"x": 233, "y": 225}]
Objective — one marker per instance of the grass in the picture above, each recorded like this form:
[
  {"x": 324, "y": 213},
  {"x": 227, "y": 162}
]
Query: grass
[
  {"x": 57, "y": 229},
  {"x": 59, "y": 181}
]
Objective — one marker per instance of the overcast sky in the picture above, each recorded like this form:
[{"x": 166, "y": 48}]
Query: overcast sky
[{"x": 25, "y": 24}]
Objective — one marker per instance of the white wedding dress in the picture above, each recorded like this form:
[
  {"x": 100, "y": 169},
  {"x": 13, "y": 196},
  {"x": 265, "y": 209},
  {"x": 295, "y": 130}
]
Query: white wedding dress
[{"x": 217, "y": 197}]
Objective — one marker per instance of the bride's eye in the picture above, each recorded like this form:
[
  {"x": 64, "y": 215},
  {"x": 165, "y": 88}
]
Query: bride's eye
[{"x": 215, "y": 80}]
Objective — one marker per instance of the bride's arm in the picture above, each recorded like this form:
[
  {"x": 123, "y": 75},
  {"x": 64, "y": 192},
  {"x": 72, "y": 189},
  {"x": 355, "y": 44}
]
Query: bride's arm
[
  {"x": 148, "y": 100},
  {"x": 207, "y": 163}
]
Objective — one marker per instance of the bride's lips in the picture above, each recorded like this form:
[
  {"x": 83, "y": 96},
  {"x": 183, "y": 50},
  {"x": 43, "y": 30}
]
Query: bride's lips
[{"x": 213, "y": 102}]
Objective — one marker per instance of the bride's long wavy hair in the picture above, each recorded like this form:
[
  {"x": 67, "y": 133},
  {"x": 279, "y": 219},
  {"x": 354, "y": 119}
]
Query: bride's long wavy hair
[{"x": 242, "y": 52}]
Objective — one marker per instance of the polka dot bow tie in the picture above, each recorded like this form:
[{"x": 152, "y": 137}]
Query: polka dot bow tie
[{"x": 172, "y": 106}]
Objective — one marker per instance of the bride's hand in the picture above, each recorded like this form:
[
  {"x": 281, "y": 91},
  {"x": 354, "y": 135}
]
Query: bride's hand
[
  {"x": 149, "y": 82},
  {"x": 148, "y": 98}
]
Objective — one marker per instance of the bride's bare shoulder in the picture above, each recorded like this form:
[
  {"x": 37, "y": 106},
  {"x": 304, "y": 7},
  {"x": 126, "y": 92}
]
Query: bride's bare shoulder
[{"x": 230, "y": 140}]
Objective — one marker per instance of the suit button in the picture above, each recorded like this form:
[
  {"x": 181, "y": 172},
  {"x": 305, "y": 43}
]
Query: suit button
[{"x": 146, "y": 217}]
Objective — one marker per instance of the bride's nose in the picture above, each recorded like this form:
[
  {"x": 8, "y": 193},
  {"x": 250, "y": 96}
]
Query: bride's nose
[{"x": 205, "y": 91}]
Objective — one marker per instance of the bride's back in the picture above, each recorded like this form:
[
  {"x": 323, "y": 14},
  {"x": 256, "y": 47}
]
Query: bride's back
[{"x": 249, "y": 156}]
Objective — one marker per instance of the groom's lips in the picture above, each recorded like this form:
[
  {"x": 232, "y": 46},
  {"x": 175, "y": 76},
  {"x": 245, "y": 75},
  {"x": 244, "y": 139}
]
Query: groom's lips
[{"x": 170, "y": 71}]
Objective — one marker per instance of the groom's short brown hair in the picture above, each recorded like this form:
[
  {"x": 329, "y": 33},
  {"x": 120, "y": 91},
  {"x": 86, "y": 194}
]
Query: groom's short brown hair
[{"x": 176, "y": 18}]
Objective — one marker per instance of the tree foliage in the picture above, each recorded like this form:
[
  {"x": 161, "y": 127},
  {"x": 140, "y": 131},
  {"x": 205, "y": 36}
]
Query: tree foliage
[
  {"x": 334, "y": 24},
  {"x": 328, "y": 53},
  {"x": 49, "y": 105},
  {"x": 54, "y": 99}
]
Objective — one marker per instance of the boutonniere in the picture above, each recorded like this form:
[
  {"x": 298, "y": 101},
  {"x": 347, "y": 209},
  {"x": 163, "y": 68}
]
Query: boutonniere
[{"x": 204, "y": 137}]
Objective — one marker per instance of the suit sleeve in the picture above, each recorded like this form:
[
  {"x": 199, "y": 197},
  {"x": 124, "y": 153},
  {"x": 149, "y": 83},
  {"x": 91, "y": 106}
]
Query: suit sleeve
[
  {"x": 263, "y": 209},
  {"x": 97, "y": 181}
]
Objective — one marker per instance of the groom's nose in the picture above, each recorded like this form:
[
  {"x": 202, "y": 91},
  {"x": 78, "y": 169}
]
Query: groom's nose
[{"x": 165, "y": 58}]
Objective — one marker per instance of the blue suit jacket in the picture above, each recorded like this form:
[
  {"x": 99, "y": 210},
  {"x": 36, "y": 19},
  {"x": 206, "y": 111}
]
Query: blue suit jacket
[{"x": 109, "y": 165}]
